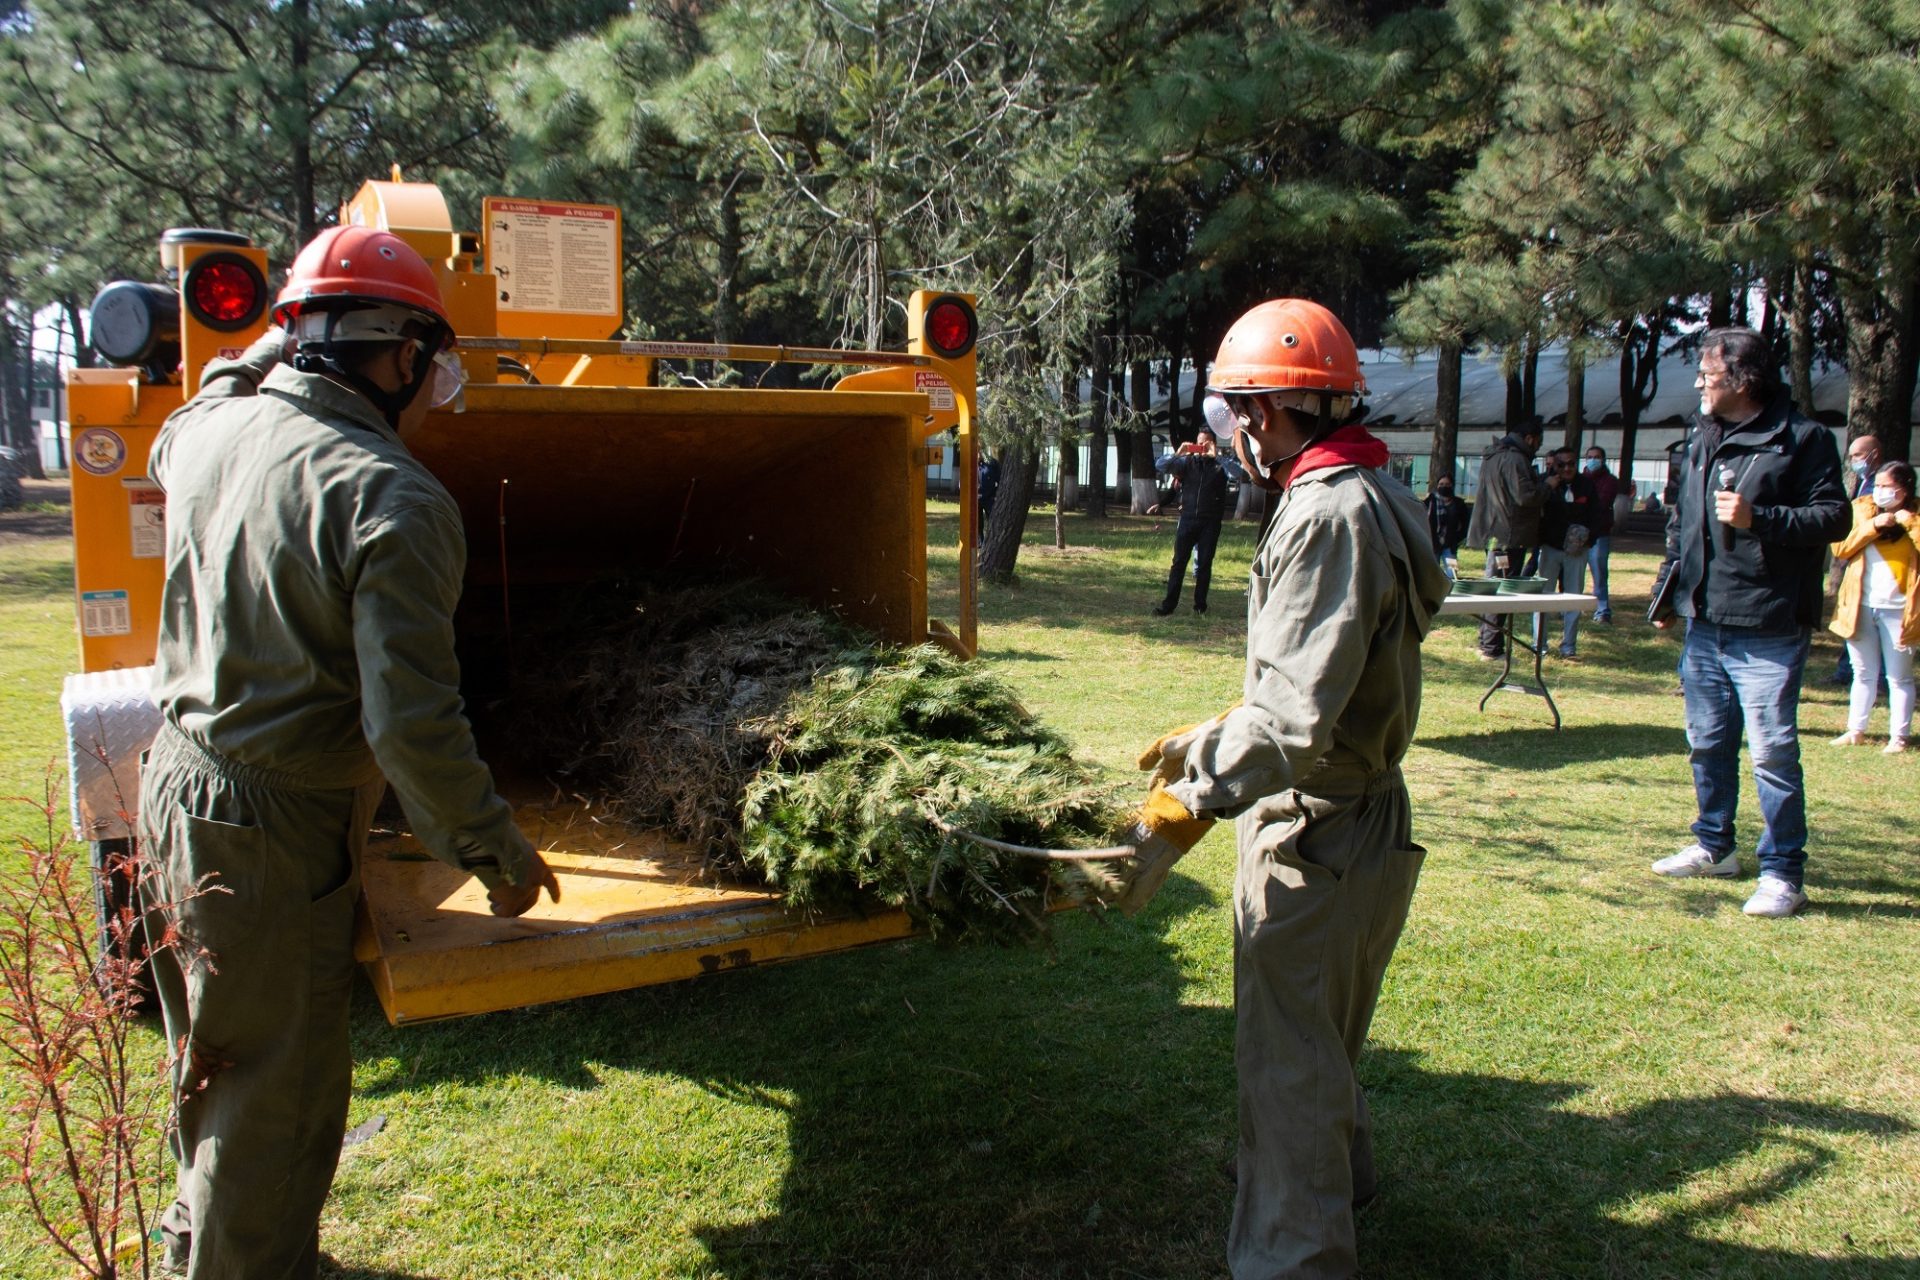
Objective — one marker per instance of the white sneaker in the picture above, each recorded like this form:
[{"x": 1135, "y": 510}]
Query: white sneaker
[
  {"x": 1696, "y": 861},
  {"x": 1774, "y": 898}
]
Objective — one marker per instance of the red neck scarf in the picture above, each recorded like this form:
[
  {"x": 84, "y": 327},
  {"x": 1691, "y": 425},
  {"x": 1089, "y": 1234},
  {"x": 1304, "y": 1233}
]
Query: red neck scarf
[{"x": 1347, "y": 445}]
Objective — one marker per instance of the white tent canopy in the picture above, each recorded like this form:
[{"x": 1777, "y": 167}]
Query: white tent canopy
[{"x": 1404, "y": 390}]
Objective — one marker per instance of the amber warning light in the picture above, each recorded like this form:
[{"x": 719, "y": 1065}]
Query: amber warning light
[
  {"x": 225, "y": 292},
  {"x": 951, "y": 326}
]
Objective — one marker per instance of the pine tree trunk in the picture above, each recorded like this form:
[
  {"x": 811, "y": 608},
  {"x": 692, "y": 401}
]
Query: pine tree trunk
[
  {"x": 82, "y": 351},
  {"x": 1516, "y": 400},
  {"x": 1800, "y": 336},
  {"x": 1060, "y": 490},
  {"x": 1062, "y": 484},
  {"x": 1103, "y": 373},
  {"x": 1144, "y": 485},
  {"x": 1446, "y": 424},
  {"x": 1878, "y": 335},
  {"x": 726, "y": 307},
  {"x": 299, "y": 60},
  {"x": 1576, "y": 398},
  {"x": 1720, "y": 308},
  {"x": 1637, "y": 370},
  {"x": 1067, "y": 477},
  {"x": 1530, "y": 379},
  {"x": 1000, "y": 541},
  {"x": 1140, "y": 402},
  {"x": 16, "y": 370}
]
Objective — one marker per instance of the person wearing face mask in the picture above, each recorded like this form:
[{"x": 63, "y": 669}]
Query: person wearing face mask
[
  {"x": 1343, "y": 589},
  {"x": 1758, "y": 497},
  {"x": 1863, "y": 459},
  {"x": 1447, "y": 518},
  {"x": 305, "y": 661},
  {"x": 1879, "y": 610},
  {"x": 1566, "y": 531},
  {"x": 1606, "y": 488},
  {"x": 1202, "y": 474}
]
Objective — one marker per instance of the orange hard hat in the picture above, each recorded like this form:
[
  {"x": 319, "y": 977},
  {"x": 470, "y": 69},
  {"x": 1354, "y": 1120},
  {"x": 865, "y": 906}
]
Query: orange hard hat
[
  {"x": 1287, "y": 344},
  {"x": 360, "y": 266}
]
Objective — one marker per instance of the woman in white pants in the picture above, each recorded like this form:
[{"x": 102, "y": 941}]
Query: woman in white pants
[{"x": 1879, "y": 609}]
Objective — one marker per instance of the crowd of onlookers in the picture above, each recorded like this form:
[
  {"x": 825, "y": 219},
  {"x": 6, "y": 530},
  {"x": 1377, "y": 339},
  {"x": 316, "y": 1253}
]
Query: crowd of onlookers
[
  {"x": 1554, "y": 522},
  {"x": 1767, "y": 536}
]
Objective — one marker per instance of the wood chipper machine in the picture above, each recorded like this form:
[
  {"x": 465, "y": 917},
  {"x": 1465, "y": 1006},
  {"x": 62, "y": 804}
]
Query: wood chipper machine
[{"x": 570, "y": 466}]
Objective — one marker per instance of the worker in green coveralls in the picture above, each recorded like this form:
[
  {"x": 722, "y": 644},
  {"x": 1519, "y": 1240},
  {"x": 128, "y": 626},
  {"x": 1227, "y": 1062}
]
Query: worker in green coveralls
[
  {"x": 1344, "y": 588},
  {"x": 305, "y": 650}
]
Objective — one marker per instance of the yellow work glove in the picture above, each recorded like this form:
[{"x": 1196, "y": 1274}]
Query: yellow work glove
[
  {"x": 1162, "y": 833},
  {"x": 1167, "y": 757}
]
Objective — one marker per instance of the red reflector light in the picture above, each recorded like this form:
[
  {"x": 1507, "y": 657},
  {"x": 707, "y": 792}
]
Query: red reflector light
[
  {"x": 950, "y": 327},
  {"x": 225, "y": 291}
]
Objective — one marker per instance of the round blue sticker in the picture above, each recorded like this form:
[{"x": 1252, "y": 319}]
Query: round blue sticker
[{"x": 99, "y": 451}]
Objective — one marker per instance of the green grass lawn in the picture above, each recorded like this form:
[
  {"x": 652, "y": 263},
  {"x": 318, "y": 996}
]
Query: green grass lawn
[{"x": 1577, "y": 1069}]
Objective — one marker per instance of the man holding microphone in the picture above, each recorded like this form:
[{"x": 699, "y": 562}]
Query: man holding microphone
[{"x": 1759, "y": 499}]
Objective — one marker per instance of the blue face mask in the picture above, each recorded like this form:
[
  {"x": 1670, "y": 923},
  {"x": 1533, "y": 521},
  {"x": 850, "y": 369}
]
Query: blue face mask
[
  {"x": 1592, "y": 464},
  {"x": 1860, "y": 469}
]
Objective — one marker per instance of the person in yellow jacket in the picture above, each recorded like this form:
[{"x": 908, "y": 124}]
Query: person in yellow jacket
[
  {"x": 305, "y": 662},
  {"x": 1879, "y": 610}
]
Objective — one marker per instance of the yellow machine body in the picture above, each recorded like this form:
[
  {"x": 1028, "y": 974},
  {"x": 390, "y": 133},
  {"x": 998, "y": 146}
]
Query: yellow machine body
[{"x": 569, "y": 469}]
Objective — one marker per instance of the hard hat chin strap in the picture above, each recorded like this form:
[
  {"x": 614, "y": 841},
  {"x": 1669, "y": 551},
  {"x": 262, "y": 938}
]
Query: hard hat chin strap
[
  {"x": 1260, "y": 468},
  {"x": 324, "y": 358}
]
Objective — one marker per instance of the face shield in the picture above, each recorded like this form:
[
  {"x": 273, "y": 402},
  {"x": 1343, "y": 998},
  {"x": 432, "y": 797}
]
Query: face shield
[{"x": 448, "y": 382}]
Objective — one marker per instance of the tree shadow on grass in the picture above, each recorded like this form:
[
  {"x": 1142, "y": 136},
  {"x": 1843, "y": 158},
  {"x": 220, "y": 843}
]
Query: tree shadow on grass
[
  {"x": 332, "y": 1269},
  {"x": 36, "y": 581},
  {"x": 971, "y": 1112},
  {"x": 1539, "y": 747},
  {"x": 1485, "y": 1175},
  {"x": 949, "y": 1111}
]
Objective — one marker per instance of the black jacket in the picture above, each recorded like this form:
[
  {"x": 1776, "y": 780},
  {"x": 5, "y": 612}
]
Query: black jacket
[
  {"x": 1770, "y": 579},
  {"x": 1203, "y": 483},
  {"x": 1507, "y": 509},
  {"x": 1447, "y": 523},
  {"x": 1575, "y": 502}
]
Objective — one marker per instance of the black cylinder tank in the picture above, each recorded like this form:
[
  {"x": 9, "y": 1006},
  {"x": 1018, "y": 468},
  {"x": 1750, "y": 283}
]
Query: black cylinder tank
[{"x": 136, "y": 324}]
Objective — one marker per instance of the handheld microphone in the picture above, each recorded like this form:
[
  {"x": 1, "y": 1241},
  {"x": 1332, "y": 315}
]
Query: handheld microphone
[{"x": 1727, "y": 478}]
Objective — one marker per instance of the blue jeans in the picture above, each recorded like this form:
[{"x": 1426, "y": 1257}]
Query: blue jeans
[
  {"x": 1597, "y": 561},
  {"x": 1563, "y": 573},
  {"x": 1733, "y": 675}
]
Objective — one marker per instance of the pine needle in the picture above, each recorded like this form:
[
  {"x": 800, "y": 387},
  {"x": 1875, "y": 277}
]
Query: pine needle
[{"x": 794, "y": 751}]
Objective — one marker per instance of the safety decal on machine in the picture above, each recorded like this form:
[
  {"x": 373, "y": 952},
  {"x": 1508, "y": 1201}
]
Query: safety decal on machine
[
  {"x": 105, "y": 613},
  {"x": 147, "y": 517},
  {"x": 938, "y": 390},
  {"x": 554, "y": 256},
  {"x": 99, "y": 452}
]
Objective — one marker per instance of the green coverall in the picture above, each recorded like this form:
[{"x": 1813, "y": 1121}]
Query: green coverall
[
  {"x": 1343, "y": 590},
  {"x": 306, "y": 649}
]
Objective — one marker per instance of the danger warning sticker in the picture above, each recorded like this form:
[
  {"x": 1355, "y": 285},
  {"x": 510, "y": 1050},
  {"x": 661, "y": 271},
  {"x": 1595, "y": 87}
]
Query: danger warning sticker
[
  {"x": 938, "y": 390},
  {"x": 147, "y": 512},
  {"x": 554, "y": 256}
]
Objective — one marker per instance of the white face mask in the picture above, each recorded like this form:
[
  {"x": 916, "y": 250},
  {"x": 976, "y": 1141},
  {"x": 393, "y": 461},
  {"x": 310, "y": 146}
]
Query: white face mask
[{"x": 1886, "y": 499}]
